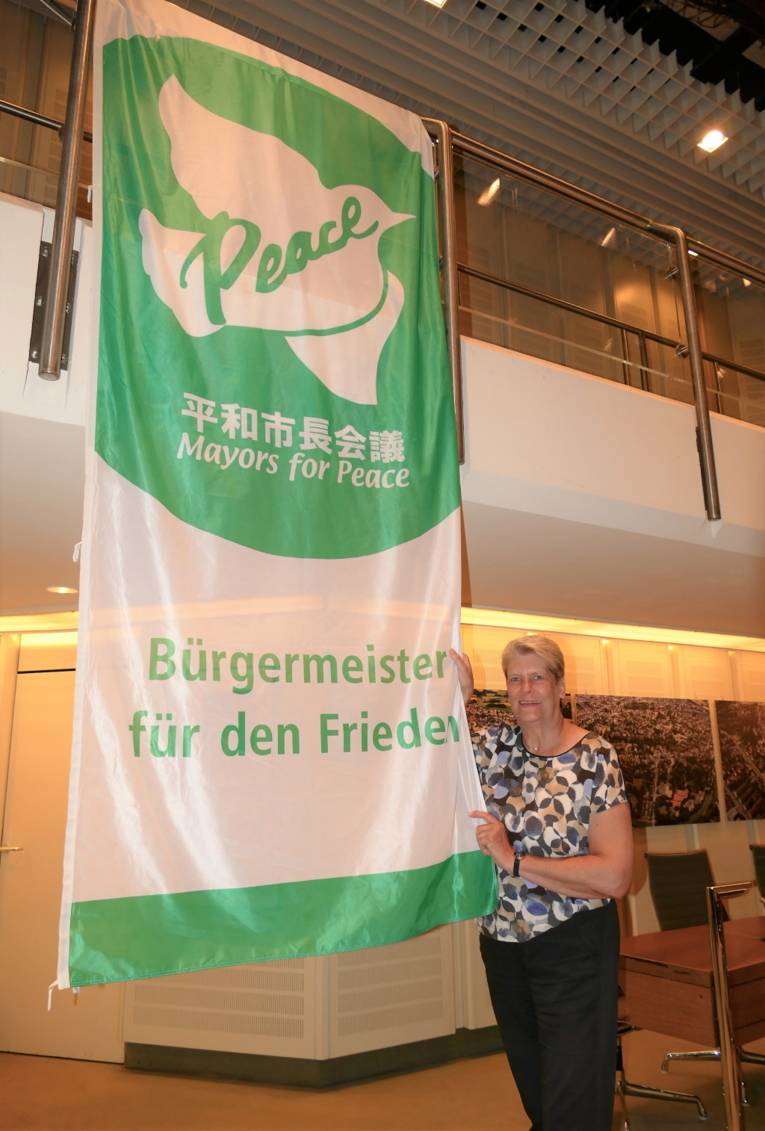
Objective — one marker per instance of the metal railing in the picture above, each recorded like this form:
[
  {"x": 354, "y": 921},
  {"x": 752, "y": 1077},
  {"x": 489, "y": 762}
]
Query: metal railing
[
  {"x": 36, "y": 118},
  {"x": 501, "y": 162},
  {"x": 448, "y": 144},
  {"x": 649, "y": 377},
  {"x": 624, "y": 328}
]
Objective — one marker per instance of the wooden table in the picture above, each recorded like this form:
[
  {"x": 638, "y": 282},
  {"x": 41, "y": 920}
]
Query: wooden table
[{"x": 667, "y": 980}]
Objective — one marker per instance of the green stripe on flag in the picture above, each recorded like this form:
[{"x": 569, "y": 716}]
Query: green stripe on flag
[{"x": 150, "y": 935}]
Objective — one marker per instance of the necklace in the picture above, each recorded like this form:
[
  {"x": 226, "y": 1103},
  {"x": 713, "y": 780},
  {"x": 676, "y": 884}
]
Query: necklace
[{"x": 536, "y": 747}]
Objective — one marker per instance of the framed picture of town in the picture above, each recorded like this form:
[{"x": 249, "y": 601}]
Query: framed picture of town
[
  {"x": 666, "y": 754},
  {"x": 741, "y": 727}
]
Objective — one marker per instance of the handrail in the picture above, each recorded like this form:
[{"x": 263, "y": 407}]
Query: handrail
[
  {"x": 496, "y": 159},
  {"x": 36, "y": 118},
  {"x": 728, "y": 364},
  {"x": 606, "y": 319},
  {"x": 571, "y": 307},
  {"x": 672, "y": 235},
  {"x": 669, "y": 233},
  {"x": 642, "y": 367},
  {"x": 728, "y": 262},
  {"x": 490, "y": 156}
]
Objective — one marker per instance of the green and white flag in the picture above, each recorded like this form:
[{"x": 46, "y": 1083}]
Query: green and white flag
[{"x": 270, "y": 756}]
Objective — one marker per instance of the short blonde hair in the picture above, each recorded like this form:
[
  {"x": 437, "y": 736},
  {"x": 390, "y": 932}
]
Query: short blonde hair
[{"x": 543, "y": 648}]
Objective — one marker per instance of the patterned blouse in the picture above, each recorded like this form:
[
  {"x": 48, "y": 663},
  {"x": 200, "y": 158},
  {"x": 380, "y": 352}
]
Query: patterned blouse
[{"x": 545, "y": 804}]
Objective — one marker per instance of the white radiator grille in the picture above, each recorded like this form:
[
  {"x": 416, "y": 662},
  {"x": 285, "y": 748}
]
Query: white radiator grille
[
  {"x": 269, "y": 1009},
  {"x": 217, "y": 1023},
  {"x": 392, "y": 995}
]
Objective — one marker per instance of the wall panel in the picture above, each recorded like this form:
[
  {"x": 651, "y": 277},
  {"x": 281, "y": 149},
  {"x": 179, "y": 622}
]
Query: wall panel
[
  {"x": 750, "y": 676},
  {"x": 703, "y": 673},
  {"x": 641, "y": 668}
]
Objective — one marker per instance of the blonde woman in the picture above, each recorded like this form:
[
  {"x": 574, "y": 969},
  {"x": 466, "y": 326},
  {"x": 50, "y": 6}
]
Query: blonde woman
[{"x": 557, "y": 826}]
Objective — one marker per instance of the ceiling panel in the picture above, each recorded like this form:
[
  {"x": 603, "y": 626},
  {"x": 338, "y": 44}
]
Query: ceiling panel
[{"x": 553, "y": 83}]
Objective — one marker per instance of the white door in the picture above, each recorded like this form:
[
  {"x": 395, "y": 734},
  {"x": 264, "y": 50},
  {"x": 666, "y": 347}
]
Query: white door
[{"x": 87, "y": 1026}]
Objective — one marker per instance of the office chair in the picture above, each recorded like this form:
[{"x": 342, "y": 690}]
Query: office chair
[
  {"x": 678, "y": 882},
  {"x": 625, "y": 1087},
  {"x": 758, "y": 858}
]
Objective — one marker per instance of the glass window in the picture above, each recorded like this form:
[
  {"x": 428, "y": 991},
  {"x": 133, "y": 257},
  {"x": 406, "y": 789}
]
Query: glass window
[
  {"x": 732, "y": 326},
  {"x": 550, "y": 277},
  {"x": 35, "y": 56}
]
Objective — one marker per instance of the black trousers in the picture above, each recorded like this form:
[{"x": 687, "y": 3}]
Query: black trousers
[{"x": 555, "y": 1001}]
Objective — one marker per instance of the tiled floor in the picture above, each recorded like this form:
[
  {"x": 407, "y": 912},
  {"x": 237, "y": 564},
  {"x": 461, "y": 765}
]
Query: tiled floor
[{"x": 43, "y": 1094}]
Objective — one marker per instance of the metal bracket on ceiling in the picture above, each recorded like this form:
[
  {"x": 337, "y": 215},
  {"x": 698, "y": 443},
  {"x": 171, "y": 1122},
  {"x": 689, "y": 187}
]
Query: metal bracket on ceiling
[{"x": 38, "y": 316}]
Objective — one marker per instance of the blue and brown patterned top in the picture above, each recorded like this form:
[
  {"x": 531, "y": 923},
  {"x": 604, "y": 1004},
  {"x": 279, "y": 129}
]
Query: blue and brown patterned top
[{"x": 546, "y": 805}]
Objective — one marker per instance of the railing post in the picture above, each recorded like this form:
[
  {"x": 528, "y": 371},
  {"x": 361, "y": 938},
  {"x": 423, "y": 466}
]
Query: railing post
[
  {"x": 731, "y": 1076},
  {"x": 66, "y": 195},
  {"x": 443, "y": 135},
  {"x": 703, "y": 424}
]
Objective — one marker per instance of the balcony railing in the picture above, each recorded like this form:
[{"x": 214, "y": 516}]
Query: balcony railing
[
  {"x": 544, "y": 275},
  {"x": 531, "y": 262}
]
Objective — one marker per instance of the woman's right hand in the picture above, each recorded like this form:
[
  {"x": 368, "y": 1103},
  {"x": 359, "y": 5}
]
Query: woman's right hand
[{"x": 464, "y": 672}]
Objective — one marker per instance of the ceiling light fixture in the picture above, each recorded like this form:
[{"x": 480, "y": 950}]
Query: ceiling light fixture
[
  {"x": 436, "y": 3},
  {"x": 695, "y": 254},
  {"x": 712, "y": 140},
  {"x": 746, "y": 282},
  {"x": 608, "y": 237},
  {"x": 489, "y": 193},
  {"x": 59, "y": 589}
]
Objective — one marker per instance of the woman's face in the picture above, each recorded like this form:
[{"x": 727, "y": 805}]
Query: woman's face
[{"x": 533, "y": 691}]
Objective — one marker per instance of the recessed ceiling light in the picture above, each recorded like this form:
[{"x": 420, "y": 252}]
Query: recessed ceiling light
[
  {"x": 489, "y": 193},
  {"x": 746, "y": 282},
  {"x": 695, "y": 254},
  {"x": 60, "y": 589},
  {"x": 712, "y": 140},
  {"x": 436, "y": 3},
  {"x": 608, "y": 237}
]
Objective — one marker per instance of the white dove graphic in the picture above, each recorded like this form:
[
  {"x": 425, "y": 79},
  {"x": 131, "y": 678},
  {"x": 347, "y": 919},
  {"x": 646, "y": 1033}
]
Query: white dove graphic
[{"x": 292, "y": 256}]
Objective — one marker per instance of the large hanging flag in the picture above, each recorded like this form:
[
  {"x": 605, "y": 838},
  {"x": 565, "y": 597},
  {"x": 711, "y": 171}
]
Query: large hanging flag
[{"x": 270, "y": 754}]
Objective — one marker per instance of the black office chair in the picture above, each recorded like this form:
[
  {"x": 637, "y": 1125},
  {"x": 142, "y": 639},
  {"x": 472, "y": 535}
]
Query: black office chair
[
  {"x": 625, "y": 1087},
  {"x": 629, "y": 1088},
  {"x": 758, "y": 858},
  {"x": 678, "y": 882}
]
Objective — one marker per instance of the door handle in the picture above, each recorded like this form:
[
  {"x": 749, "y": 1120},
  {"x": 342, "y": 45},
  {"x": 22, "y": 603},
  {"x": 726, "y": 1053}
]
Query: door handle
[{"x": 11, "y": 848}]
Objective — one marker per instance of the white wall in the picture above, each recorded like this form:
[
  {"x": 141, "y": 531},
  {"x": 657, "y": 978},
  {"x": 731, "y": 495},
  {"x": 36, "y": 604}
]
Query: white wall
[
  {"x": 22, "y": 227},
  {"x": 553, "y": 441},
  {"x": 582, "y": 498}
]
